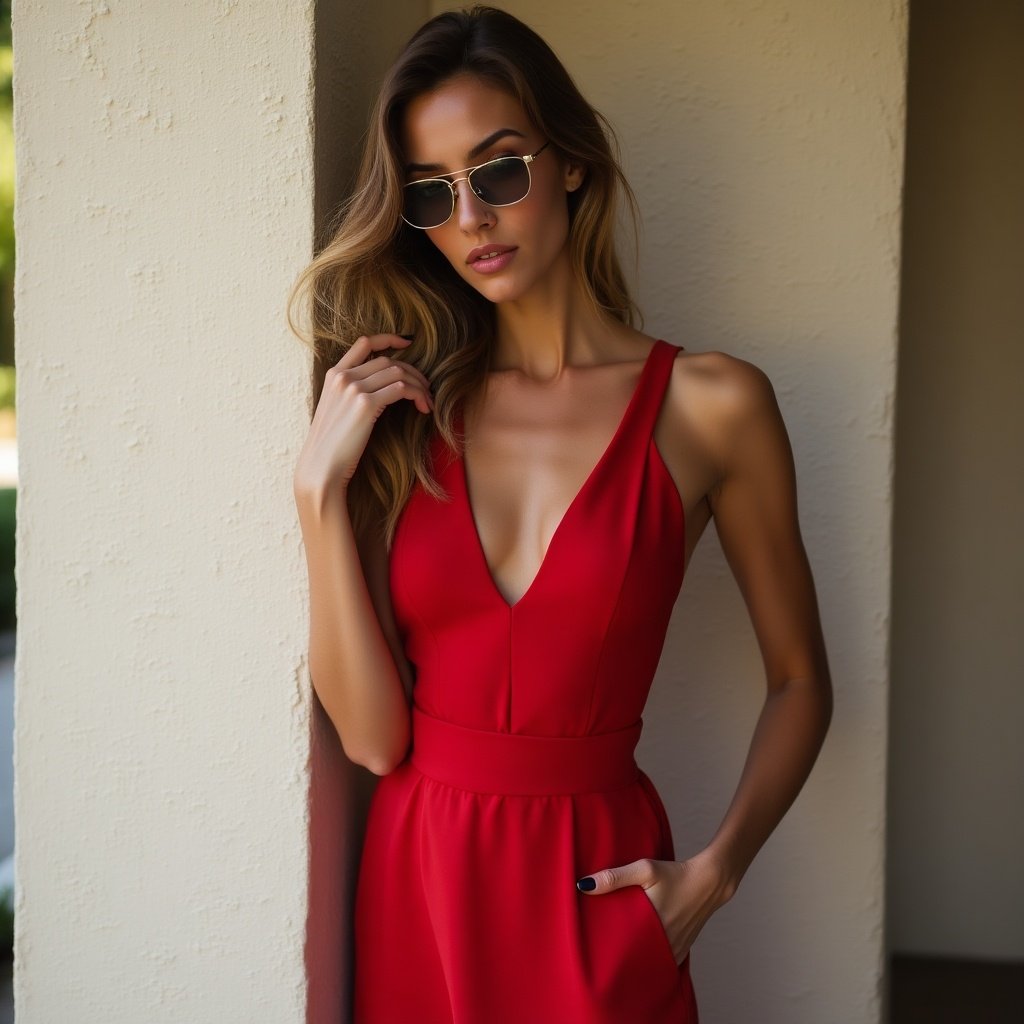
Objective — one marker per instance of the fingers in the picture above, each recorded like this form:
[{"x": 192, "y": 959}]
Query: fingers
[
  {"x": 402, "y": 388},
  {"x": 382, "y": 377},
  {"x": 366, "y": 344},
  {"x": 639, "y": 872},
  {"x": 372, "y": 366}
]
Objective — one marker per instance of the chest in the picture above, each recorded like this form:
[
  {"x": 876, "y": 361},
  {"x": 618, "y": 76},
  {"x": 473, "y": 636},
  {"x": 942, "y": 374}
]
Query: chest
[{"x": 533, "y": 454}]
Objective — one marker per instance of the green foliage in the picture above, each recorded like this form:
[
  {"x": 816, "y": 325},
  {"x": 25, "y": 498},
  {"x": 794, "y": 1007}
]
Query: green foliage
[
  {"x": 6, "y": 160},
  {"x": 8, "y": 387},
  {"x": 6, "y": 163},
  {"x": 7, "y": 175},
  {"x": 8, "y": 519}
]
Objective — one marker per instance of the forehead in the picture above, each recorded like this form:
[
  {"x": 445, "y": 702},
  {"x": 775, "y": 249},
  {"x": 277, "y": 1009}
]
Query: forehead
[{"x": 442, "y": 125}]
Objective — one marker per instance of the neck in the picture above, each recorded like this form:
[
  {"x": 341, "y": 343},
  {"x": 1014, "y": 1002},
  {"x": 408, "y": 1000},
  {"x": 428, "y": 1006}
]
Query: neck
[{"x": 552, "y": 327}]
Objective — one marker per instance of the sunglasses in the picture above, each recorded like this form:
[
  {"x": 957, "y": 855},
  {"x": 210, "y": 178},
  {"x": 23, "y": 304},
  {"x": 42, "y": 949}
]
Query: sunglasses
[{"x": 430, "y": 202}]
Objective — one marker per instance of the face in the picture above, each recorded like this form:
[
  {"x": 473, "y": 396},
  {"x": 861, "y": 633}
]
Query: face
[{"x": 444, "y": 129}]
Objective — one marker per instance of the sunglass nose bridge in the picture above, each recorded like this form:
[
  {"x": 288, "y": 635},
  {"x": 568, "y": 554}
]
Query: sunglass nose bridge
[{"x": 467, "y": 178}]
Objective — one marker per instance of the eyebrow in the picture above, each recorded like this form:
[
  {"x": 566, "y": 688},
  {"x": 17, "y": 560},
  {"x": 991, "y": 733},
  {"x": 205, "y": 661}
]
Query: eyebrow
[{"x": 472, "y": 154}]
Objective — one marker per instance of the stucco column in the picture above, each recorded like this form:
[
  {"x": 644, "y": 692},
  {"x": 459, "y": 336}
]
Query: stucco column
[{"x": 165, "y": 198}]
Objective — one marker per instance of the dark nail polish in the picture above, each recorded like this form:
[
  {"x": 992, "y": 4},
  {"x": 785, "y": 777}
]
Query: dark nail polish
[
  {"x": 408, "y": 337},
  {"x": 586, "y": 884}
]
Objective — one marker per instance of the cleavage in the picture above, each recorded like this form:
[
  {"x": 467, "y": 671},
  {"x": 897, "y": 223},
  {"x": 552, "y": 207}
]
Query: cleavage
[{"x": 527, "y": 464}]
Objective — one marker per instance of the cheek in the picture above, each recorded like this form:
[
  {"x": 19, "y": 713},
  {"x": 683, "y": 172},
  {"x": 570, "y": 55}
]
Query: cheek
[
  {"x": 547, "y": 228},
  {"x": 452, "y": 247},
  {"x": 540, "y": 227},
  {"x": 549, "y": 215}
]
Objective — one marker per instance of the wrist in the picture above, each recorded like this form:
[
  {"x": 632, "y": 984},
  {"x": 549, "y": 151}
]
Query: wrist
[
  {"x": 723, "y": 870},
  {"x": 316, "y": 502}
]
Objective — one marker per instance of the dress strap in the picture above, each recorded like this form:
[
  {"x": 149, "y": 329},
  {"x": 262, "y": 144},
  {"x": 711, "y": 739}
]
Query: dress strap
[{"x": 652, "y": 388}]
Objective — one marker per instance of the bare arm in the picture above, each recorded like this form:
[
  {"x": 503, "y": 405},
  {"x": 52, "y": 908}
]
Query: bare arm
[
  {"x": 356, "y": 663},
  {"x": 753, "y": 498},
  {"x": 755, "y": 509},
  {"x": 352, "y": 663}
]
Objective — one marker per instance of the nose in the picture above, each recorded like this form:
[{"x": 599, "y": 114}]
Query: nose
[{"x": 470, "y": 209}]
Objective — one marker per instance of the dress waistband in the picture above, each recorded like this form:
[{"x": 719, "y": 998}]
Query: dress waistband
[{"x": 511, "y": 763}]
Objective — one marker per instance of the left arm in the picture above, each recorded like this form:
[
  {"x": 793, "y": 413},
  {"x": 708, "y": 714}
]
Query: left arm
[
  {"x": 755, "y": 508},
  {"x": 754, "y": 503}
]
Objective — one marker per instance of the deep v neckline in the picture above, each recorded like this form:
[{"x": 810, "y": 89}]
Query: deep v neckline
[{"x": 467, "y": 504}]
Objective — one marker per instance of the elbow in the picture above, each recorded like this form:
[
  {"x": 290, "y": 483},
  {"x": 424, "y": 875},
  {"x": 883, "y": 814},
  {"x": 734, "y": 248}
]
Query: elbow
[
  {"x": 383, "y": 760},
  {"x": 383, "y": 766}
]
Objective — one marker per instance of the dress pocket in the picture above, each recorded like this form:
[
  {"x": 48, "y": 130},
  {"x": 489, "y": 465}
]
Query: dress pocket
[{"x": 652, "y": 934}]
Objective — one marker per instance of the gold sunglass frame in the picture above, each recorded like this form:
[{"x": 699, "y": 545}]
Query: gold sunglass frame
[{"x": 527, "y": 159}]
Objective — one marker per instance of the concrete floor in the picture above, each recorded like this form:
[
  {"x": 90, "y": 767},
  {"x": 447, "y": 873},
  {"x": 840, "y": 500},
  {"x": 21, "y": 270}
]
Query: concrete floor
[{"x": 934, "y": 990}]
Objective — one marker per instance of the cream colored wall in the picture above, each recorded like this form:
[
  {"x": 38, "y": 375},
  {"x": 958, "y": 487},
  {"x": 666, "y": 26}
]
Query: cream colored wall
[
  {"x": 164, "y": 189},
  {"x": 956, "y": 839},
  {"x": 766, "y": 144}
]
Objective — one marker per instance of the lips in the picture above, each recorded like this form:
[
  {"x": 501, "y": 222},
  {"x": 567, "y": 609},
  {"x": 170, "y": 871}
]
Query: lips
[{"x": 487, "y": 250}]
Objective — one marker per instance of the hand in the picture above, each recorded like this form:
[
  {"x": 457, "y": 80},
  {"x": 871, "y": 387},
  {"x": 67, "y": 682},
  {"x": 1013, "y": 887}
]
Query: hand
[
  {"x": 684, "y": 893},
  {"x": 355, "y": 393}
]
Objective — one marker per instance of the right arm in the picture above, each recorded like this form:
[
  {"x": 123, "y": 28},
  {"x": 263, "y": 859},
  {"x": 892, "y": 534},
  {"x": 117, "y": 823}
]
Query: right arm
[{"x": 358, "y": 669}]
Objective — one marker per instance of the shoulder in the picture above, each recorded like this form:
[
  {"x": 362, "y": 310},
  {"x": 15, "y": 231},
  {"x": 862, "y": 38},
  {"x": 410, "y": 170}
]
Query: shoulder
[
  {"x": 721, "y": 398},
  {"x": 725, "y": 390},
  {"x": 734, "y": 386}
]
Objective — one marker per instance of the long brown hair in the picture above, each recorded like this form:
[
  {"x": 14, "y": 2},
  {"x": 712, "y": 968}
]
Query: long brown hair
[{"x": 377, "y": 275}]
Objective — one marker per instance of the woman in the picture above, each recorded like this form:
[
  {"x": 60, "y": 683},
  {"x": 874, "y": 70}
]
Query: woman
[{"x": 501, "y": 487}]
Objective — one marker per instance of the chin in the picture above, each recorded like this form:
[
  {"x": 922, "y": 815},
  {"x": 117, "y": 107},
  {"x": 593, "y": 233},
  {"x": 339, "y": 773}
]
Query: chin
[{"x": 504, "y": 292}]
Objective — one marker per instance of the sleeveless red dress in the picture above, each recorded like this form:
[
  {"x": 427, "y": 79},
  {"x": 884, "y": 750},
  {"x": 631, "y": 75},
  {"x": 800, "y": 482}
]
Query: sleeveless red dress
[{"x": 521, "y": 775}]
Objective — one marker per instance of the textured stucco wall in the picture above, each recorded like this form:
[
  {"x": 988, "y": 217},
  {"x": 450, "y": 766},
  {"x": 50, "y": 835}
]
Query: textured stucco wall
[
  {"x": 956, "y": 783},
  {"x": 164, "y": 185},
  {"x": 765, "y": 141}
]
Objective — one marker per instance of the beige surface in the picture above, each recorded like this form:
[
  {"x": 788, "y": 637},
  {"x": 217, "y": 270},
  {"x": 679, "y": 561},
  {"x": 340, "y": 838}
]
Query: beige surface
[{"x": 164, "y": 189}]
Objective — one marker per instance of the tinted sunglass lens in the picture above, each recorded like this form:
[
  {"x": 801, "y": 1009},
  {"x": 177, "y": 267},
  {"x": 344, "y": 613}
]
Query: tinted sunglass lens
[
  {"x": 428, "y": 203},
  {"x": 502, "y": 182}
]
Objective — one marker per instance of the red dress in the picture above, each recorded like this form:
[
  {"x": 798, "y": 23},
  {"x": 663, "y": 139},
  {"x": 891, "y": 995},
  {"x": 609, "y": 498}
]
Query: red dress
[{"x": 521, "y": 775}]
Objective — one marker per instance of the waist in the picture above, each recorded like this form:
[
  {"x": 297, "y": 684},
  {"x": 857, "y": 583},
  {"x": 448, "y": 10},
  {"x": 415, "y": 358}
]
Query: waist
[{"x": 514, "y": 764}]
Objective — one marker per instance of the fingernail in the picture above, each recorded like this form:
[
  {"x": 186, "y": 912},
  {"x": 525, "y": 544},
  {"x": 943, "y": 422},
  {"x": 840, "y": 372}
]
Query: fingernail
[
  {"x": 408, "y": 337},
  {"x": 586, "y": 884}
]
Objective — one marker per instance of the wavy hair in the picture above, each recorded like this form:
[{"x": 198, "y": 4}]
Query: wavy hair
[{"x": 377, "y": 275}]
